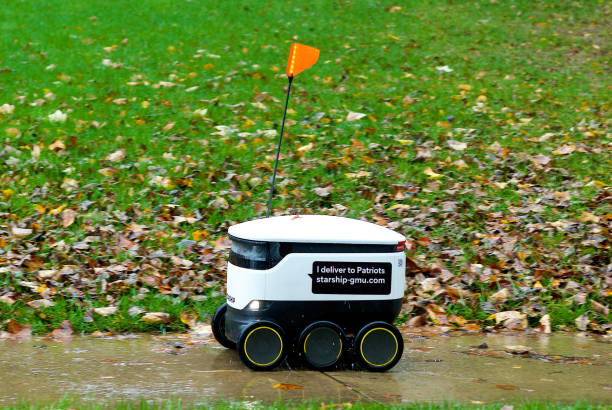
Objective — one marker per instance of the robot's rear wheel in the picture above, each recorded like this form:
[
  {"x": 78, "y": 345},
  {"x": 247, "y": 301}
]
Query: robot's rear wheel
[
  {"x": 321, "y": 345},
  {"x": 262, "y": 345},
  {"x": 378, "y": 346},
  {"x": 218, "y": 327}
]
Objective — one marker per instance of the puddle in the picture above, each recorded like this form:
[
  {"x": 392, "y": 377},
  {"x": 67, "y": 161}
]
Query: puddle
[{"x": 480, "y": 368}]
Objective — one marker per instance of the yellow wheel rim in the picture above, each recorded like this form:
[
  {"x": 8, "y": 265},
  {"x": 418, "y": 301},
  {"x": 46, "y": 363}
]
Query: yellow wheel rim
[
  {"x": 364, "y": 338},
  {"x": 280, "y": 351},
  {"x": 339, "y": 338}
]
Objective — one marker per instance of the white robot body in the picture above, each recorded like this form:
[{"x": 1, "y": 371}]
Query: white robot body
[{"x": 305, "y": 283}]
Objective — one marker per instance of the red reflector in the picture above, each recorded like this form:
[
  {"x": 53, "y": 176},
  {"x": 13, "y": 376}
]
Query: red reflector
[{"x": 400, "y": 245}]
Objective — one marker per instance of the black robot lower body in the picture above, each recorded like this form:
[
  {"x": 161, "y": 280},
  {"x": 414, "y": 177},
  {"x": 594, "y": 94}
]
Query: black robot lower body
[{"x": 294, "y": 316}]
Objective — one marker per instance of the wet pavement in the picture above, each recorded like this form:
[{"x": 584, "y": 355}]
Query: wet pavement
[{"x": 474, "y": 368}]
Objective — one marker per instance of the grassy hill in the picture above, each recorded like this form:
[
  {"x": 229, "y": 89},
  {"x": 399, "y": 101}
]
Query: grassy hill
[{"x": 134, "y": 134}]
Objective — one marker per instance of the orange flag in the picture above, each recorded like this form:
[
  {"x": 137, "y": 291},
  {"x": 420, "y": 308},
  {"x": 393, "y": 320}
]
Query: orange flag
[{"x": 301, "y": 57}]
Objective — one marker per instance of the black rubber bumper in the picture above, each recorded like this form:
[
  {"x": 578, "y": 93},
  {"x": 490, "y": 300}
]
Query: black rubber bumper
[{"x": 294, "y": 316}]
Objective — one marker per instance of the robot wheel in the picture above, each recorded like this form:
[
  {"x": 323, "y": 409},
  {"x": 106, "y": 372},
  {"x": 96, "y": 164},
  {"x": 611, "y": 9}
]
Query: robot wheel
[
  {"x": 262, "y": 345},
  {"x": 218, "y": 327},
  {"x": 378, "y": 346},
  {"x": 321, "y": 345}
]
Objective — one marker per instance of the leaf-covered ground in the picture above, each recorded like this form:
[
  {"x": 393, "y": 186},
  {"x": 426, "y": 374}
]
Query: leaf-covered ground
[{"x": 134, "y": 134}]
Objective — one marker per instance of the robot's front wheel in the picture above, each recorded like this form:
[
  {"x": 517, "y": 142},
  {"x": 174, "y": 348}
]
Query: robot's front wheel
[
  {"x": 262, "y": 346},
  {"x": 322, "y": 345},
  {"x": 218, "y": 327},
  {"x": 378, "y": 346}
]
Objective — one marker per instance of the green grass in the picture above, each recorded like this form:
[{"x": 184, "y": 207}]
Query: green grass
[
  {"x": 519, "y": 71},
  {"x": 168, "y": 405}
]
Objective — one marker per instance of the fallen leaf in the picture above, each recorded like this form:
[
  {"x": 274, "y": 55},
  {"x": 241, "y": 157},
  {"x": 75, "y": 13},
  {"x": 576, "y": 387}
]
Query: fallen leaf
[
  {"x": 20, "y": 232},
  {"x": 68, "y": 217},
  {"x": 598, "y": 307},
  {"x": 219, "y": 203},
  {"x": 306, "y": 148},
  {"x": 285, "y": 386},
  {"x": 70, "y": 184},
  {"x": 57, "y": 116},
  {"x": 106, "y": 311},
  {"x": 156, "y": 317},
  {"x": 354, "y": 116},
  {"x": 116, "y": 156},
  {"x": 41, "y": 303},
  {"x": 511, "y": 319},
  {"x": 6, "y": 299},
  {"x": 431, "y": 174},
  {"x": 540, "y": 159},
  {"x": 545, "y": 324},
  {"x": 7, "y": 109},
  {"x": 417, "y": 321},
  {"x": 188, "y": 319},
  {"x": 582, "y": 322},
  {"x": 135, "y": 311},
  {"x": 13, "y": 132},
  {"x": 222, "y": 243},
  {"x": 63, "y": 331},
  {"x": 499, "y": 296},
  {"x": 108, "y": 172},
  {"x": 324, "y": 191},
  {"x": 588, "y": 217},
  {"x": 565, "y": 149},
  {"x": 18, "y": 330},
  {"x": 199, "y": 235},
  {"x": 359, "y": 174},
  {"x": 505, "y": 387},
  {"x": 457, "y": 145},
  {"x": 57, "y": 146}
]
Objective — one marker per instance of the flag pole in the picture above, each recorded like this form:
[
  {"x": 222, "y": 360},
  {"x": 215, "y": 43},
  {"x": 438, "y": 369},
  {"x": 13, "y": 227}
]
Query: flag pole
[{"x": 280, "y": 140}]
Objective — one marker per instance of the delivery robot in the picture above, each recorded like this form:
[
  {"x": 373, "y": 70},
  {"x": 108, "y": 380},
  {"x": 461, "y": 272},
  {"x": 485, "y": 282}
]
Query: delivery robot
[{"x": 322, "y": 289}]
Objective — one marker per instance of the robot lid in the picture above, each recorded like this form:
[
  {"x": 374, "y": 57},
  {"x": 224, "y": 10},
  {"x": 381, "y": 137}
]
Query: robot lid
[{"x": 315, "y": 229}]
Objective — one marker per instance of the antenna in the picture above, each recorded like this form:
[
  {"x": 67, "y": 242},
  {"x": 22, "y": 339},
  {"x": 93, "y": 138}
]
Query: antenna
[{"x": 301, "y": 57}]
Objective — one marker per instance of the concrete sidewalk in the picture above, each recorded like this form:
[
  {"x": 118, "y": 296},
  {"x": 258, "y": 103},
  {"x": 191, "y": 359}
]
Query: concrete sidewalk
[{"x": 197, "y": 370}]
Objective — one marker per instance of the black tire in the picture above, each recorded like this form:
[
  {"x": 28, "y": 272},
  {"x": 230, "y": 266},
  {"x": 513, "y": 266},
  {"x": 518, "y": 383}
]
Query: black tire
[
  {"x": 378, "y": 346},
  {"x": 218, "y": 327},
  {"x": 262, "y": 346},
  {"x": 321, "y": 345}
]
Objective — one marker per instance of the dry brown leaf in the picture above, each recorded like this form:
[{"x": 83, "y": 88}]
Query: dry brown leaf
[
  {"x": 116, "y": 156},
  {"x": 41, "y": 303},
  {"x": 219, "y": 203},
  {"x": 565, "y": 149},
  {"x": 188, "y": 319},
  {"x": 505, "y": 387},
  {"x": 354, "y": 116},
  {"x": 156, "y": 317},
  {"x": 545, "y": 324},
  {"x": 417, "y": 321},
  {"x": 582, "y": 322},
  {"x": 68, "y": 217},
  {"x": 63, "y": 331},
  {"x": 499, "y": 296},
  {"x": 222, "y": 243},
  {"x": 285, "y": 386},
  {"x": 588, "y": 217},
  {"x": 540, "y": 159},
  {"x": 108, "y": 172},
  {"x": 18, "y": 330},
  {"x": 511, "y": 319},
  {"x": 598, "y": 307},
  {"x": 6, "y": 299},
  {"x": 106, "y": 311}
]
